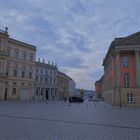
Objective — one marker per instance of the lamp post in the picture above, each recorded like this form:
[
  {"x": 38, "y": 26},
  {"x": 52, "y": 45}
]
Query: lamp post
[{"x": 120, "y": 97}]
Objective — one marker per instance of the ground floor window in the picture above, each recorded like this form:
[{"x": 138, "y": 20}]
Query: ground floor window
[
  {"x": 36, "y": 92},
  {"x": 129, "y": 97},
  {"x": 14, "y": 91}
]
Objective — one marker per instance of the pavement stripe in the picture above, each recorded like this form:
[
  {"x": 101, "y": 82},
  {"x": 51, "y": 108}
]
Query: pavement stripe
[{"x": 71, "y": 122}]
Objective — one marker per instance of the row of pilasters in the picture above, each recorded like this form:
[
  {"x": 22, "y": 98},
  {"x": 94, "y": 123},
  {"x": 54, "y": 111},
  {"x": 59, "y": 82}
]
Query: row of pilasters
[{"x": 137, "y": 69}]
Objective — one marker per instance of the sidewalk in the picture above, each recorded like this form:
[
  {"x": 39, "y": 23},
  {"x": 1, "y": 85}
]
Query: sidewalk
[{"x": 64, "y": 121}]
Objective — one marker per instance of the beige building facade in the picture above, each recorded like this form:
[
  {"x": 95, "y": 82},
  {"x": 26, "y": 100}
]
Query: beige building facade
[
  {"x": 66, "y": 86},
  {"x": 17, "y": 68}
]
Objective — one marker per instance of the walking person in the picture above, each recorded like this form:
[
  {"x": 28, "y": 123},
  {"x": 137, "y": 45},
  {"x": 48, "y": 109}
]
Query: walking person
[{"x": 65, "y": 99}]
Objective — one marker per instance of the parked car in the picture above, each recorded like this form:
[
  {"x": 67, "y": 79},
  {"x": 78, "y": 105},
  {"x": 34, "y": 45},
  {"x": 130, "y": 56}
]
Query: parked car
[{"x": 76, "y": 100}]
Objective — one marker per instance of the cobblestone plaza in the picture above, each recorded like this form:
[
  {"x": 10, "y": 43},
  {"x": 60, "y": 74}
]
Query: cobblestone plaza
[{"x": 64, "y": 121}]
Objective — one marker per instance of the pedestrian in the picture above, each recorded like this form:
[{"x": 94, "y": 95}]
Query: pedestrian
[{"x": 65, "y": 99}]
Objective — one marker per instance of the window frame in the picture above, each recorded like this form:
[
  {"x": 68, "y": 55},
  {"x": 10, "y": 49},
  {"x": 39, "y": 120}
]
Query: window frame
[
  {"x": 16, "y": 54},
  {"x": 30, "y": 75},
  {"x": 14, "y": 90},
  {"x": 24, "y": 55},
  {"x": 129, "y": 97},
  {"x": 125, "y": 61},
  {"x": 15, "y": 73},
  {"x": 126, "y": 79},
  {"x": 23, "y": 74}
]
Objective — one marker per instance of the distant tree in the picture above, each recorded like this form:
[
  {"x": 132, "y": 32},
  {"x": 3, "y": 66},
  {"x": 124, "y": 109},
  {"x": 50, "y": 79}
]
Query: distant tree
[{"x": 82, "y": 93}]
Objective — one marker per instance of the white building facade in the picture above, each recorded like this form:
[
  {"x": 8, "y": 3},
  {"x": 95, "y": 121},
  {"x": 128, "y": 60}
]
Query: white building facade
[
  {"x": 46, "y": 81},
  {"x": 71, "y": 87}
]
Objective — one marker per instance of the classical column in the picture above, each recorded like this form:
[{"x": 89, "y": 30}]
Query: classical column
[
  {"x": 118, "y": 69},
  {"x": 137, "y": 68}
]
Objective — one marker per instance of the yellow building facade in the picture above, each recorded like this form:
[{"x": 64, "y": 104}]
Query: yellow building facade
[{"x": 17, "y": 69}]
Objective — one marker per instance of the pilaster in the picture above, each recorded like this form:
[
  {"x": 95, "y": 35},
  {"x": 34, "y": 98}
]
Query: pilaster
[
  {"x": 117, "y": 68},
  {"x": 137, "y": 68}
]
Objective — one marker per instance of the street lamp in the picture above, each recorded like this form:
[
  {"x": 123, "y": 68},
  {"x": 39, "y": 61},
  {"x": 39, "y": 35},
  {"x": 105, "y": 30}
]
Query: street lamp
[{"x": 120, "y": 97}]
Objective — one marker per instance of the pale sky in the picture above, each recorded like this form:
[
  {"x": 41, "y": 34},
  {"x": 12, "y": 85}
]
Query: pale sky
[{"x": 75, "y": 34}]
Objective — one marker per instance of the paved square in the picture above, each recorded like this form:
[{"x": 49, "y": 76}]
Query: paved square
[{"x": 64, "y": 121}]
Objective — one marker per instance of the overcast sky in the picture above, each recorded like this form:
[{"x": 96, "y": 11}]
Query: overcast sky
[{"x": 74, "y": 33}]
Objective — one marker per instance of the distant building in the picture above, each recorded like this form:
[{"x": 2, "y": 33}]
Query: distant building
[
  {"x": 46, "y": 81},
  {"x": 66, "y": 86},
  {"x": 71, "y": 87},
  {"x": 87, "y": 93},
  {"x": 17, "y": 68},
  {"x": 121, "y": 84},
  {"x": 98, "y": 88}
]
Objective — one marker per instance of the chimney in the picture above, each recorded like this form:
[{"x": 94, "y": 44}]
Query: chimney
[
  {"x": 48, "y": 62},
  {"x": 38, "y": 59},
  {"x": 52, "y": 63},
  {"x": 43, "y": 60}
]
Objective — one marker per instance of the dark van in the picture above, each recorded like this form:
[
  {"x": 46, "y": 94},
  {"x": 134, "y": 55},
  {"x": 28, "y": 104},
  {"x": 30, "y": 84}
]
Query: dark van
[{"x": 76, "y": 99}]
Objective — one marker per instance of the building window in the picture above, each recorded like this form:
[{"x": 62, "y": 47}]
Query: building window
[
  {"x": 46, "y": 80},
  {"x": 129, "y": 97},
  {"x": 31, "y": 57},
  {"x": 36, "y": 70},
  {"x": 23, "y": 74},
  {"x": 50, "y": 72},
  {"x": 8, "y": 51},
  {"x": 30, "y": 75},
  {"x": 125, "y": 61},
  {"x": 37, "y": 92},
  {"x": 14, "y": 83},
  {"x": 46, "y": 72},
  {"x": 22, "y": 84},
  {"x": 54, "y": 73},
  {"x": 7, "y": 72},
  {"x": 14, "y": 91},
  {"x": 36, "y": 78},
  {"x": 41, "y": 92},
  {"x": 16, "y": 53},
  {"x": 30, "y": 84},
  {"x": 126, "y": 80},
  {"x": 40, "y": 79},
  {"x": 41, "y": 71},
  {"x": 15, "y": 73},
  {"x": 24, "y": 56}
]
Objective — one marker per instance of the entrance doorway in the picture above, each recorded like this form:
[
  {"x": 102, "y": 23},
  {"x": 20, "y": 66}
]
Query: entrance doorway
[
  {"x": 5, "y": 95},
  {"x": 46, "y": 94}
]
